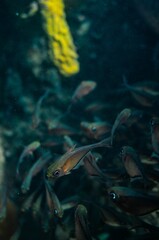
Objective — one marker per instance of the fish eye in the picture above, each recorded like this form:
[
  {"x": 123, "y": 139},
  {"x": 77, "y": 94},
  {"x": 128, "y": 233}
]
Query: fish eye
[
  {"x": 56, "y": 173},
  {"x": 55, "y": 212},
  {"x": 94, "y": 129},
  {"x": 113, "y": 196},
  {"x": 152, "y": 122},
  {"x": 121, "y": 152}
]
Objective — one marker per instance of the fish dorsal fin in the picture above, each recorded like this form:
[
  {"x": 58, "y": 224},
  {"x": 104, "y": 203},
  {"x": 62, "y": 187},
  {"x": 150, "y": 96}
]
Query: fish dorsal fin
[{"x": 72, "y": 148}]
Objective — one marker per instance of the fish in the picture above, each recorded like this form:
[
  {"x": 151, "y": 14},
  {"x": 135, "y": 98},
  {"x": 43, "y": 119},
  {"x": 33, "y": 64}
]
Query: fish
[
  {"x": 152, "y": 172},
  {"x": 70, "y": 202},
  {"x": 11, "y": 221},
  {"x": 132, "y": 201},
  {"x": 36, "y": 206},
  {"x": 145, "y": 93},
  {"x": 82, "y": 230},
  {"x": 33, "y": 8},
  {"x": 70, "y": 159},
  {"x": 28, "y": 202},
  {"x": 132, "y": 163},
  {"x": 95, "y": 130},
  {"x": 104, "y": 175},
  {"x": 60, "y": 129},
  {"x": 68, "y": 144},
  {"x": 113, "y": 218},
  {"x": 154, "y": 125},
  {"x": 121, "y": 118},
  {"x": 45, "y": 219},
  {"x": 3, "y": 182},
  {"x": 36, "y": 116},
  {"x": 91, "y": 167},
  {"x": 35, "y": 169},
  {"x": 94, "y": 107},
  {"x": 84, "y": 88},
  {"x": 149, "y": 12},
  {"x": 16, "y": 234},
  {"x": 3, "y": 202},
  {"x": 53, "y": 202},
  {"x": 27, "y": 151}
]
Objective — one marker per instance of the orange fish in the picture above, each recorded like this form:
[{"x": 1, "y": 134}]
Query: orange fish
[
  {"x": 70, "y": 159},
  {"x": 131, "y": 162},
  {"x": 84, "y": 88},
  {"x": 95, "y": 130}
]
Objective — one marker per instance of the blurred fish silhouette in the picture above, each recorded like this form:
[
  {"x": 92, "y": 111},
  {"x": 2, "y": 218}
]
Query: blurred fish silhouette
[
  {"x": 132, "y": 201},
  {"x": 82, "y": 230},
  {"x": 145, "y": 93},
  {"x": 27, "y": 151},
  {"x": 155, "y": 135},
  {"x": 95, "y": 130},
  {"x": 121, "y": 118}
]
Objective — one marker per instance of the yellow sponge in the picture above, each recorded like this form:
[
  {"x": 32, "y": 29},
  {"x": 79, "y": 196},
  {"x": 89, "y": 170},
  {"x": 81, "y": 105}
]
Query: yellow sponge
[{"x": 61, "y": 46}]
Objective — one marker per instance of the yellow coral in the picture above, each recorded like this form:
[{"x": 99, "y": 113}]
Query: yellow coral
[{"x": 62, "y": 48}]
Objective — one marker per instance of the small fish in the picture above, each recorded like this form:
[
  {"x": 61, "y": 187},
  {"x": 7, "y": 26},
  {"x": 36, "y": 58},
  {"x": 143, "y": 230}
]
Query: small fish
[
  {"x": 97, "y": 107},
  {"x": 45, "y": 219},
  {"x": 35, "y": 169},
  {"x": 3, "y": 182},
  {"x": 70, "y": 159},
  {"x": 36, "y": 206},
  {"x": 145, "y": 93},
  {"x": 84, "y": 88},
  {"x": 113, "y": 218},
  {"x": 132, "y": 163},
  {"x": 3, "y": 202},
  {"x": 133, "y": 201},
  {"x": 82, "y": 230},
  {"x": 121, "y": 118},
  {"x": 91, "y": 166},
  {"x": 61, "y": 130},
  {"x": 53, "y": 201},
  {"x": 149, "y": 12},
  {"x": 10, "y": 223},
  {"x": 95, "y": 130},
  {"x": 27, "y": 151},
  {"x": 103, "y": 175},
  {"x": 155, "y": 134},
  {"x": 33, "y": 8},
  {"x": 17, "y": 233},
  {"x": 153, "y": 172},
  {"x": 68, "y": 144},
  {"x": 36, "y": 116},
  {"x": 28, "y": 202},
  {"x": 70, "y": 202}
]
